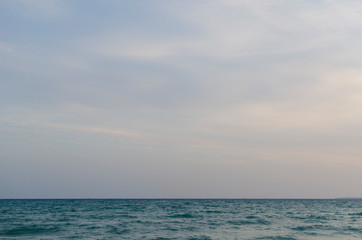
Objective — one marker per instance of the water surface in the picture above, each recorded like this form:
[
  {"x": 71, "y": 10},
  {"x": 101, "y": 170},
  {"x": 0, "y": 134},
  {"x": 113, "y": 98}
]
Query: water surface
[{"x": 181, "y": 219}]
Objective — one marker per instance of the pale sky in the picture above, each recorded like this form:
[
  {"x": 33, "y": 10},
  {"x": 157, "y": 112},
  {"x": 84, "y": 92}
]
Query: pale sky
[{"x": 180, "y": 99}]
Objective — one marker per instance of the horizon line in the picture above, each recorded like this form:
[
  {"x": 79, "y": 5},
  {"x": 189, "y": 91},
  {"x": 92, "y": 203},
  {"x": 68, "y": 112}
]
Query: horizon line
[{"x": 179, "y": 198}]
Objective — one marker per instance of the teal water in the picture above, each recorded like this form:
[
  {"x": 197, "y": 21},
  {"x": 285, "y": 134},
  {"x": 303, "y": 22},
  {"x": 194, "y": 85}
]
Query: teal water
[{"x": 181, "y": 219}]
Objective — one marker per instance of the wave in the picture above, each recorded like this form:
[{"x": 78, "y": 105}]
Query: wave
[
  {"x": 162, "y": 238},
  {"x": 202, "y": 237},
  {"x": 172, "y": 219},
  {"x": 29, "y": 230},
  {"x": 316, "y": 227},
  {"x": 277, "y": 237},
  {"x": 183, "y": 215},
  {"x": 355, "y": 214},
  {"x": 352, "y": 229},
  {"x": 118, "y": 231},
  {"x": 240, "y": 222}
]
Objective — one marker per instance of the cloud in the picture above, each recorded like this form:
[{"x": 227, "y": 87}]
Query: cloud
[
  {"x": 5, "y": 47},
  {"x": 329, "y": 101},
  {"x": 241, "y": 84},
  {"x": 246, "y": 29},
  {"x": 37, "y": 9},
  {"x": 132, "y": 48},
  {"x": 97, "y": 130}
]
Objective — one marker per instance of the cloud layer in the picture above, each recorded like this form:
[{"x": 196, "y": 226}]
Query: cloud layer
[{"x": 180, "y": 99}]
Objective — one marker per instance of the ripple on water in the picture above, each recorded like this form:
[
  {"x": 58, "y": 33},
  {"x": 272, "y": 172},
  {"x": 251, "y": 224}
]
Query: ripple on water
[
  {"x": 183, "y": 215},
  {"x": 162, "y": 238},
  {"x": 276, "y": 237},
  {"x": 117, "y": 231},
  {"x": 170, "y": 228},
  {"x": 355, "y": 214},
  {"x": 178, "y": 219},
  {"x": 202, "y": 237},
  {"x": 126, "y": 216},
  {"x": 315, "y": 227},
  {"x": 29, "y": 230},
  {"x": 213, "y": 211},
  {"x": 257, "y": 221},
  {"x": 352, "y": 229}
]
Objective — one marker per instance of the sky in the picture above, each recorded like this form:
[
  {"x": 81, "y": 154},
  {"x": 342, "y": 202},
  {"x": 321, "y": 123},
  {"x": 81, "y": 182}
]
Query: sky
[{"x": 180, "y": 99}]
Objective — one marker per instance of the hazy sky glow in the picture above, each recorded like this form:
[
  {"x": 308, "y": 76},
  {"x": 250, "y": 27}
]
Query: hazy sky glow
[{"x": 206, "y": 98}]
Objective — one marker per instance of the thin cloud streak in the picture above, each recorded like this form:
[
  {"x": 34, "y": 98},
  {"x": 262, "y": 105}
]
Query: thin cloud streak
[{"x": 38, "y": 9}]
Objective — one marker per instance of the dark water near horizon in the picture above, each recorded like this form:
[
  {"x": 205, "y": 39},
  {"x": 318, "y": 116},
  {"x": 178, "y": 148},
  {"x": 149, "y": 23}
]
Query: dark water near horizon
[{"x": 181, "y": 219}]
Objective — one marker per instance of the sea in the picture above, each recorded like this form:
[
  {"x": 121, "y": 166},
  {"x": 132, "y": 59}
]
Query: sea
[{"x": 190, "y": 219}]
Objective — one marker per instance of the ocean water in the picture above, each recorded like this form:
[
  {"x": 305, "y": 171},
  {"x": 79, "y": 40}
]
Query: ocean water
[{"x": 181, "y": 219}]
